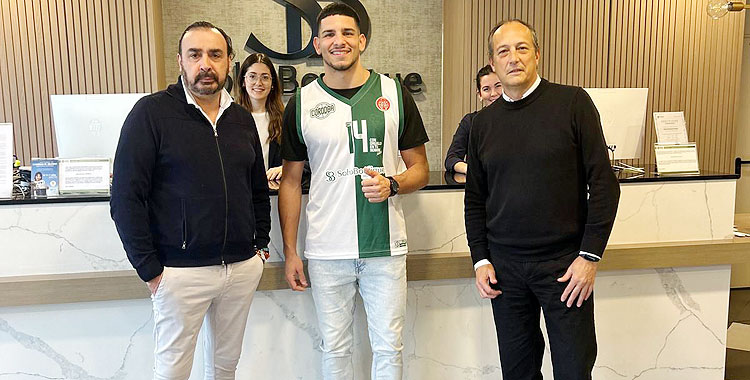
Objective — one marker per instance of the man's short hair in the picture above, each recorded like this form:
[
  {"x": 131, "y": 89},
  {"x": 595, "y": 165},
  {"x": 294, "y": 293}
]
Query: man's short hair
[
  {"x": 490, "y": 48},
  {"x": 337, "y": 8},
  {"x": 207, "y": 25}
]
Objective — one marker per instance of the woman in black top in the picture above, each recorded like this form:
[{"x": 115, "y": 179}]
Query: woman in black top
[{"x": 488, "y": 89}]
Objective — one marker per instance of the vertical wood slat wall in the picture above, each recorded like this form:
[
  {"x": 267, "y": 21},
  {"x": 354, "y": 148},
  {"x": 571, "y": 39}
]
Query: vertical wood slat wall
[
  {"x": 50, "y": 47},
  {"x": 688, "y": 61}
]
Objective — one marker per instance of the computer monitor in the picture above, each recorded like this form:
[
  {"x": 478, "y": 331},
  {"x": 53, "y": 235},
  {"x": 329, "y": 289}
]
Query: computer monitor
[
  {"x": 623, "y": 116},
  {"x": 89, "y": 125}
]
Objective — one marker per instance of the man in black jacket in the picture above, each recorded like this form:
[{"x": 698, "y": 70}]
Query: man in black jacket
[
  {"x": 190, "y": 202},
  {"x": 541, "y": 199}
]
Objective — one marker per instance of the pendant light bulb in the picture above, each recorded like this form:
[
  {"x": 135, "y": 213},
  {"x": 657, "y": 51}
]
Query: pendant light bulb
[{"x": 717, "y": 8}]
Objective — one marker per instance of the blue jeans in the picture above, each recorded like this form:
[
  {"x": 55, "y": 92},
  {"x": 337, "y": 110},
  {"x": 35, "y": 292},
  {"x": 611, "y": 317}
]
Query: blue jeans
[{"x": 382, "y": 284}]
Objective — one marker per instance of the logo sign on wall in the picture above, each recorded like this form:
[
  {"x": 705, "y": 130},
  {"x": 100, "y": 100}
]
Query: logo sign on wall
[{"x": 296, "y": 11}]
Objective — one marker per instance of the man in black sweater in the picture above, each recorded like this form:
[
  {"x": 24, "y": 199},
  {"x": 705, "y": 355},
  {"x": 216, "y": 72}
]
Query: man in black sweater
[{"x": 540, "y": 203}]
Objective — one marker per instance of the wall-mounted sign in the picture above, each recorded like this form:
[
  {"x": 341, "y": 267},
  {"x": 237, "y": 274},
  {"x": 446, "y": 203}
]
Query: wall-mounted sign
[{"x": 289, "y": 84}]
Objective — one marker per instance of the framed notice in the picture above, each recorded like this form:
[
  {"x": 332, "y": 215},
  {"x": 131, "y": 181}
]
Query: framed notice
[
  {"x": 676, "y": 158},
  {"x": 670, "y": 127},
  {"x": 84, "y": 176}
]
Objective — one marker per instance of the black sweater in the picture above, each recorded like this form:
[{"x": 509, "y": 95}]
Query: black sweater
[
  {"x": 530, "y": 163},
  {"x": 457, "y": 150},
  {"x": 182, "y": 196}
]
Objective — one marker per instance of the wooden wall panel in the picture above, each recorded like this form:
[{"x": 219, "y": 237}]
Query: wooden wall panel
[
  {"x": 688, "y": 61},
  {"x": 50, "y": 47}
]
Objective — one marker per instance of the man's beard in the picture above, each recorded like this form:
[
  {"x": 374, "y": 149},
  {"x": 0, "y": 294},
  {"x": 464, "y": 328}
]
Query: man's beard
[
  {"x": 341, "y": 66},
  {"x": 197, "y": 88}
]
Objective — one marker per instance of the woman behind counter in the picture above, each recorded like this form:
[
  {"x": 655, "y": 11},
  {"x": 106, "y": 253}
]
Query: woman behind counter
[
  {"x": 259, "y": 92},
  {"x": 488, "y": 90}
]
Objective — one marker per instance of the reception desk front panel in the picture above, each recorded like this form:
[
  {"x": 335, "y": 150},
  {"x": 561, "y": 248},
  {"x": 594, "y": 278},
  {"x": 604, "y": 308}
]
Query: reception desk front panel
[{"x": 50, "y": 238}]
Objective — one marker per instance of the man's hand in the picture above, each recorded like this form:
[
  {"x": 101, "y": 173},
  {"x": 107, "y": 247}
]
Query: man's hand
[
  {"x": 274, "y": 174},
  {"x": 460, "y": 167},
  {"x": 153, "y": 284},
  {"x": 581, "y": 274},
  {"x": 273, "y": 185},
  {"x": 377, "y": 188},
  {"x": 484, "y": 275},
  {"x": 459, "y": 177},
  {"x": 295, "y": 272}
]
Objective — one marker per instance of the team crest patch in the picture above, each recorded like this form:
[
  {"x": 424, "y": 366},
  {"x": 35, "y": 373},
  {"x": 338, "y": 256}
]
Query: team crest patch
[
  {"x": 383, "y": 104},
  {"x": 322, "y": 110}
]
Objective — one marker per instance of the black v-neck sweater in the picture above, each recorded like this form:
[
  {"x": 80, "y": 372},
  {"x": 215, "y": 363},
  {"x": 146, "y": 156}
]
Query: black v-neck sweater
[{"x": 530, "y": 164}]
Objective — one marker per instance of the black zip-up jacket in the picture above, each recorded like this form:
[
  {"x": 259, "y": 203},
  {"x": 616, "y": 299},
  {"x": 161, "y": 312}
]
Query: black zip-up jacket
[{"x": 184, "y": 196}]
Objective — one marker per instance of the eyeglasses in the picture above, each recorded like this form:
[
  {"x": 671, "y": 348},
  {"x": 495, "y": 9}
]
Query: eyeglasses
[{"x": 253, "y": 78}]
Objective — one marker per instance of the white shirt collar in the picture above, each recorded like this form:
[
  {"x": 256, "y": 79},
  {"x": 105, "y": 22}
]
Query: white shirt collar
[
  {"x": 528, "y": 92},
  {"x": 224, "y": 103}
]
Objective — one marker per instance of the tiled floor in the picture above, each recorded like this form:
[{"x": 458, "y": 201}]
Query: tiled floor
[{"x": 738, "y": 362}]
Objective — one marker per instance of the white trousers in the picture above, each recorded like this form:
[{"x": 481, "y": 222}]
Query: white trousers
[{"x": 220, "y": 295}]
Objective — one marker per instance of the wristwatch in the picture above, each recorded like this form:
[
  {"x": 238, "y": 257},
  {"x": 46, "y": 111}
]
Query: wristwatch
[
  {"x": 589, "y": 257},
  {"x": 394, "y": 186}
]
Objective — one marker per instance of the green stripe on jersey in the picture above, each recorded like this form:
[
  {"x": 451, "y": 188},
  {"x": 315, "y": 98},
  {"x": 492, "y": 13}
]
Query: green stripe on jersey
[{"x": 367, "y": 132}]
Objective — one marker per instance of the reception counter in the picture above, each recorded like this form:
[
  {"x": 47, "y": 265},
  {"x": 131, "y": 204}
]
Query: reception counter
[{"x": 71, "y": 306}]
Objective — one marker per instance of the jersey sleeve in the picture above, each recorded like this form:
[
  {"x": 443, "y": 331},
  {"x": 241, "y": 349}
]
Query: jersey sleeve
[
  {"x": 293, "y": 147},
  {"x": 413, "y": 133}
]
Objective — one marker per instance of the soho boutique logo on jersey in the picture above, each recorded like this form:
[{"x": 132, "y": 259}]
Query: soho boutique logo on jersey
[{"x": 333, "y": 175}]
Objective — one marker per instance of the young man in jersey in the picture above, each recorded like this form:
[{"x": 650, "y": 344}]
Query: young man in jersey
[{"x": 351, "y": 124}]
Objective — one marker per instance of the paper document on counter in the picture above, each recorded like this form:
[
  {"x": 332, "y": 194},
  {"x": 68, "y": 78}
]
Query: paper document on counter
[
  {"x": 6, "y": 160},
  {"x": 670, "y": 128},
  {"x": 84, "y": 175},
  {"x": 676, "y": 158}
]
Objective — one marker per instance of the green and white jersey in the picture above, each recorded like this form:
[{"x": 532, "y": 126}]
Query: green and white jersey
[{"x": 341, "y": 136}]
